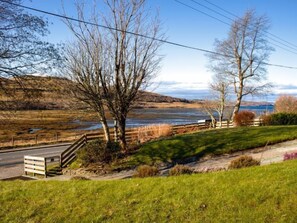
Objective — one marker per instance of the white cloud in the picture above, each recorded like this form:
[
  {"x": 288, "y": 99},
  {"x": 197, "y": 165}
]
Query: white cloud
[
  {"x": 286, "y": 89},
  {"x": 188, "y": 90}
]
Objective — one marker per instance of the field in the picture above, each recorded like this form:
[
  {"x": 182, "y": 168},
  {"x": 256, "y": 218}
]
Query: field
[
  {"x": 258, "y": 194},
  {"x": 55, "y": 125}
]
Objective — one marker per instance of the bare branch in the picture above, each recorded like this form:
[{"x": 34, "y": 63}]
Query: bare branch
[{"x": 243, "y": 55}]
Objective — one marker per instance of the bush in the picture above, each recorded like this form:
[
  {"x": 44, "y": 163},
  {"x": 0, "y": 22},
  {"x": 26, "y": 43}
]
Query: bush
[
  {"x": 283, "y": 119},
  {"x": 243, "y": 161},
  {"x": 290, "y": 156},
  {"x": 286, "y": 104},
  {"x": 146, "y": 171},
  {"x": 244, "y": 118},
  {"x": 179, "y": 170},
  {"x": 98, "y": 151}
]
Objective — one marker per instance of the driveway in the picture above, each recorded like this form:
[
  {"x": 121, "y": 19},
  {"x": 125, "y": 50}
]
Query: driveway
[{"x": 267, "y": 155}]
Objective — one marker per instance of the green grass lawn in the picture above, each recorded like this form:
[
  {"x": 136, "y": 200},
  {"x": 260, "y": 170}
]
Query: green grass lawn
[
  {"x": 213, "y": 142},
  {"x": 258, "y": 194}
]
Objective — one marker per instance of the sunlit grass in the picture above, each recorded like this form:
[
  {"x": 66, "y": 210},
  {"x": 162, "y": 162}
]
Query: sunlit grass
[
  {"x": 258, "y": 194},
  {"x": 213, "y": 142}
]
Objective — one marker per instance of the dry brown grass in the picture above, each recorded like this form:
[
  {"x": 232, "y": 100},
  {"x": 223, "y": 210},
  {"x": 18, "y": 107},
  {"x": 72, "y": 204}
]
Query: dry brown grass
[
  {"x": 60, "y": 126},
  {"x": 146, "y": 171},
  {"x": 150, "y": 132},
  {"x": 30, "y": 141},
  {"x": 55, "y": 125}
]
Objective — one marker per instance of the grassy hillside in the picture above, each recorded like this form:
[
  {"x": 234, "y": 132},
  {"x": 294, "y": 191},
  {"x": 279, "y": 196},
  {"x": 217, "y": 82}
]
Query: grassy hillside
[
  {"x": 259, "y": 194},
  {"x": 53, "y": 93},
  {"x": 213, "y": 142},
  {"x": 36, "y": 92}
]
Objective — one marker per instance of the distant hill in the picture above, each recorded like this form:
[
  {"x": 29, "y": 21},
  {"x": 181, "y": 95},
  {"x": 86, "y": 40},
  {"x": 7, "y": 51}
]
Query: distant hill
[
  {"x": 52, "y": 93},
  {"x": 255, "y": 103},
  {"x": 158, "y": 98}
]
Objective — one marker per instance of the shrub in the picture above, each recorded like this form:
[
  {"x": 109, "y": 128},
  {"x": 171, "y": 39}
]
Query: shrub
[
  {"x": 283, "y": 119},
  {"x": 150, "y": 132},
  {"x": 98, "y": 151},
  {"x": 243, "y": 161},
  {"x": 286, "y": 104},
  {"x": 146, "y": 171},
  {"x": 244, "y": 118},
  {"x": 179, "y": 170},
  {"x": 290, "y": 156}
]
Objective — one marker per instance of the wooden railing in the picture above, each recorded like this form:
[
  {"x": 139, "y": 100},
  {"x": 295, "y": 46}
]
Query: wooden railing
[
  {"x": 39, "y": 164},
  {"x": 70, "y": 153},
  {"x": 132, "y": 135}
]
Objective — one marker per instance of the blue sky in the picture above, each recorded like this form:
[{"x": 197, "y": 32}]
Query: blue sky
[{"x": 184, "y": 72}]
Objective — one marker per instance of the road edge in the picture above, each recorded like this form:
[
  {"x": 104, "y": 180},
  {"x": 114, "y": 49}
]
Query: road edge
[{"x": 34, "y": 147}]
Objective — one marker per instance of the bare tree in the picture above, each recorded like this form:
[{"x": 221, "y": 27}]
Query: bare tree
[
  {"x": 242, "y": 57},
  {"x": 81, "y": 67},
  {"x": 219, "y": 89},
  {"x": 209, "y": 107},
  {"x": 121, "y": 63},
  {"x": 22, "y": 50}
]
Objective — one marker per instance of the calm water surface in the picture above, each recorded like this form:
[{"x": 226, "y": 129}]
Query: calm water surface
[{"x": 173, "y": 116}]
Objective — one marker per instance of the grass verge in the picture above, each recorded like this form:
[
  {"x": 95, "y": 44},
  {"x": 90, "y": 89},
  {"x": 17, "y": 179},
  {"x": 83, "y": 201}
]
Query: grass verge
[
  {"x": 257, "y": 194},
  {"x": 213, "y": 142}
]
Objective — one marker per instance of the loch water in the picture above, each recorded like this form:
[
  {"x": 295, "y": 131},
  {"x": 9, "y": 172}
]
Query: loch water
[{"x": 173, "y": 116}]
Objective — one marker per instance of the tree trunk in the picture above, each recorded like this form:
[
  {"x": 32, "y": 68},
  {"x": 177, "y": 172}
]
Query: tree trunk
[
  {"x": 122, "y": 133},
  {"x": 221, "y": 119},
  {"x": 105, "y": 130},
  {"x": 116, "y": 129},
  {"x": 236, "y": 107},
  {"x": 221, "y": 110},
  {"x": 239, "y": 98}
]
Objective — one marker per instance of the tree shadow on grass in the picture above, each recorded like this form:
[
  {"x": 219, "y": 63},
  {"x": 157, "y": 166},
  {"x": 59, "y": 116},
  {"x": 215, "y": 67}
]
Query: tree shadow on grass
[
  {"x": 192, "y": 147},
  {"x": 178, "y": 150}
]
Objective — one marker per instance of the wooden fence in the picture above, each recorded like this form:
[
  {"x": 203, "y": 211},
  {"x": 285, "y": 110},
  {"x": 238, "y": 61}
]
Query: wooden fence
[
  {"x": 134, "y": 135},
  {"x": 70, "y": 153},
  {"x": 229, "y": 124},
  {"x": 57, "y": 137},
  {"x": 39, "y": 164},
  {"x": 40, "y": 138}
]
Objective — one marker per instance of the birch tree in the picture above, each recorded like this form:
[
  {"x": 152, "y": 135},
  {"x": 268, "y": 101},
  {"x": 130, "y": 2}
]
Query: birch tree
[
  {"x": 219, "y": 94},
  {"x": 242, "y": 57}
]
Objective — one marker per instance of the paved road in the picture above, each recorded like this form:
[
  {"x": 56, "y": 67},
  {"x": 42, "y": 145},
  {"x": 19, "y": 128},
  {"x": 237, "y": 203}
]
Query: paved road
[{"x": 11, "y": 163}]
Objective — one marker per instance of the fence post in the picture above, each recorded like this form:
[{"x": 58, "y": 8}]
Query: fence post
[
  {"x": 12, "y": 141},
  {"x": 36, "y": 138},
  {"x": 228, "y": 123},
  {"x": 85, "y": 138},
  {"x": 56, "y": 137},
  {"x": 45, "y": 168}
]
